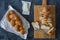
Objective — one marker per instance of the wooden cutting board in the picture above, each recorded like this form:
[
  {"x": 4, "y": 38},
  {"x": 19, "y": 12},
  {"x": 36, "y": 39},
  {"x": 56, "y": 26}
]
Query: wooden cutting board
[{"x": 37, "y": 9}]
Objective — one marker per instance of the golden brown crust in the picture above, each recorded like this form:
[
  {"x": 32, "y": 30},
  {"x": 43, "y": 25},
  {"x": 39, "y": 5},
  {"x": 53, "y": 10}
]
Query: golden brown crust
[
  {"x": 8, "y": 18},
  {"x": 18, "y": 22},
  {"x": 21, "y": 28},
  {"x": 15, "y": 21},
  {"x": 17, "y": 27},
  {"x": 51, "y": 32},
  {"x": 22, "y": 31},
  {"x": 12, "y": 22}
]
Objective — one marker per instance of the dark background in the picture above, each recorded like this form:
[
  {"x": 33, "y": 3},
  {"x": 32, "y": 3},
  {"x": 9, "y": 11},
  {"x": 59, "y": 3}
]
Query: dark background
[{"x": 4, "y": 35}]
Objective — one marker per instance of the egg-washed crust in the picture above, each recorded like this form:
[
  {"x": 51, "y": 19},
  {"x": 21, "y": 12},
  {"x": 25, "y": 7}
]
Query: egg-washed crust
[{"x": 15, "y": 21}]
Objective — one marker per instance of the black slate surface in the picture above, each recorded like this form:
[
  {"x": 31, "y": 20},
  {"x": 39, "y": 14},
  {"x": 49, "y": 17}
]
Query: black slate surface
[{"x": 4, "y": 35}]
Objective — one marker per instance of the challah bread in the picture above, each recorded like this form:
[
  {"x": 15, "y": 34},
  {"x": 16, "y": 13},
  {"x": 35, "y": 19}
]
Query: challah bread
[{"x": 15, "y": 21}]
